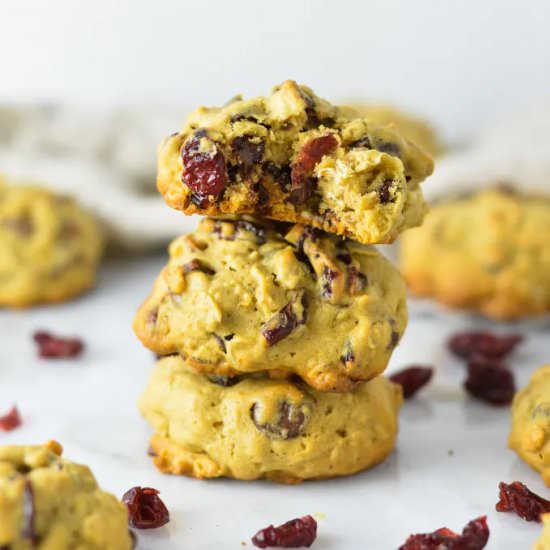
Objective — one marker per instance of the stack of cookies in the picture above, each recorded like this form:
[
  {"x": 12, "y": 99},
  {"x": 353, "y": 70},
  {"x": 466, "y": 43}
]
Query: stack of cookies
[{"x": 273, "y": 318}]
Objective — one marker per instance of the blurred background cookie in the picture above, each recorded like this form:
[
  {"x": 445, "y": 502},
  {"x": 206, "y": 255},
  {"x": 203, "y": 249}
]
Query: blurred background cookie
[
  {"x": 50, "y": 247},
  {"x": 488, "y": 252}
]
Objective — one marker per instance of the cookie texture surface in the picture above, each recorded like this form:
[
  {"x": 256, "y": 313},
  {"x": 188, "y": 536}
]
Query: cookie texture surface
[
  {"x": 49, "y": 503},
  {"x": 294, "y": 157},
  {"x": 530, "y": 434},
  {"x": 414, "y": 129},
  {"x": 241, "y": 296},
  {"x": 489, "y": 252},
  {"x": 49, "y": 247},
  {"x": 544, "y": 541},
  {"x": 263, "y": 428}
]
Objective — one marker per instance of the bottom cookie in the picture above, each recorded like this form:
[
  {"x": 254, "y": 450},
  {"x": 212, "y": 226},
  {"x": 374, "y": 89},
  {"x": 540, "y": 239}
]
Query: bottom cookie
[
  {"x": 47, "y": 502},
  {"x": 254, "y": 427},
  {"x": 530, "y": 435}
]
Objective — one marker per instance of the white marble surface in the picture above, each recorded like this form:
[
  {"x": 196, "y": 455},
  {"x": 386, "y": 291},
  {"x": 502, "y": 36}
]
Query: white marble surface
[{"x": 451, "y": 452}]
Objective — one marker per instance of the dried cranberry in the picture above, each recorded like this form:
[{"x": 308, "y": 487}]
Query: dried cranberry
[
  {"x": 310, "y": 154},
  {"x": 145, "y": 508},
  {"x": 11, "y": 420},
  {"x": 250, "y": 152},
  {"x": 204, "y": 171},
  {"x": 412, "y": 379},
  {"x": 474, "y": 537},
  {"x": 516, "y": 497},
  {"x": 290, "y": 422},
  {"x": 490, "y": 381},
  {"x": 466, "y": 344},
  {"x": 286, "y": 320},
  {"x": 51, "y": 346},
  {"x": 295, "y": 533}
]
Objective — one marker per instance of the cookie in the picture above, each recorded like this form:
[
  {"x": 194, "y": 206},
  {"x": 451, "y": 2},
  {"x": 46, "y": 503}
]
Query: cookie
[
  {"x": 544, "y": 542},
  {"x": 530, "y": 434},
  {"x": 489, "y": 252},
  {"x": 49, "y": 247},
  {"x": 414, "y": 129},
  {"x": 47, "y": 503},
  {"x": 242, "y": 296},
  {"x": 294, "y": 157},
  {"x": 256, "y": 427}
]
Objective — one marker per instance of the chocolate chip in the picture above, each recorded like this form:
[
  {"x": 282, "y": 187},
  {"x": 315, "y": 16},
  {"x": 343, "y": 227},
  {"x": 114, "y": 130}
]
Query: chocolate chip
[
  {"x": 394, "y": 340},
  {"x": 356, "y": 281},
  {"x": 384, "y": 192},
  {"x": 389, "y": 147},
  {"x": 362, "y": 142},
  {"x": 344, "y": 257},
  {"x": 285, "y": 321},
  {"x": 253, "y": 228},
  {"x": 228, "y": 337},
  {"x": 280, "y": 174},
  {"x": 249, "y": 152},
  {"x": 327, "y": 278},
  {"x": 225, "y": 381},
  {"x": 200, "y": 201},
  {"x": 220, "y": 342},
  {"x": 348, "y": 355},
  {"x": 290, "y": 422},
  {"x": 197, "y": 265}
]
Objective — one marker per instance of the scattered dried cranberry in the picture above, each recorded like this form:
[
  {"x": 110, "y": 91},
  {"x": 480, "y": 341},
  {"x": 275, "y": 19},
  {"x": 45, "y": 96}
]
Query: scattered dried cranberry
[
  {"x": 474, "y": 537},
  {"x": 516, "y": 497},
  {"x": 466, "y": 344},
  {"x": 11, "y": 420},
  {"x": 490, "y": 381},
  {"x": 412, "y": 379},
  {"x": 145, "y": 508},
  {"x": 310, "y": 154},
  {"x": 295, "y": 533},
  {"x": 204, "y": 171},
  {"x": 58, "y": 348}
]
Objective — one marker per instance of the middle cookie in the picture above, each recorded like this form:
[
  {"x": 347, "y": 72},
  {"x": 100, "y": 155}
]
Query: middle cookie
[{"x": 240, "y": 296}]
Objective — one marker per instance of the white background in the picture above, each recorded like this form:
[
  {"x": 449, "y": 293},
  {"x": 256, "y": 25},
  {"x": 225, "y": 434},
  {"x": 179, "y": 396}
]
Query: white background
[{"x": 461, "y": 63}]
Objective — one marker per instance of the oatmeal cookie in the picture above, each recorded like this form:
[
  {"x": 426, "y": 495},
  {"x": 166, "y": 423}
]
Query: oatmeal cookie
[
  {"x": 47, "y": 503},
  {"x": 49, "y": 247},
  {"x": 294, "y": 157},
  {"x": 242, "y": 296},
  {"x": 489, "y": 252},
  {"x": 255, "y": 427}
]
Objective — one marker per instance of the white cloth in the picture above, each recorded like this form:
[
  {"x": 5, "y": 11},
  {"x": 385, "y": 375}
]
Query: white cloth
[
  {"x": 106, "y": 159},
  {"x": 516, "y": 150}
]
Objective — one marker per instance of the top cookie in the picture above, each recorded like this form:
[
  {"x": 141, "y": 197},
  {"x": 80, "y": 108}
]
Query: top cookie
[
  {"x": 49, "y": 246},
  {"x": 489, "y": 252},
  {"x": 294, "y": 157},
  {"x": 49, "y": 503}
]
